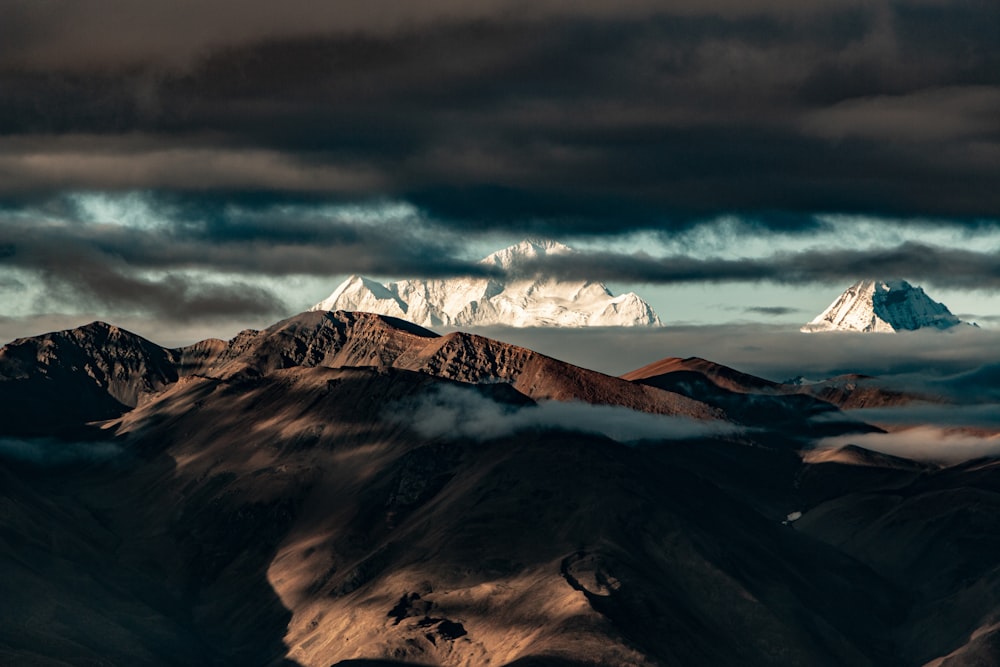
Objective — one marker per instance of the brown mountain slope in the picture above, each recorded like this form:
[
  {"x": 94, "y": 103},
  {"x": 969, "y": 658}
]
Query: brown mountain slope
[
  {"x": 745, "y": 399},
  {"x": 853, "y": 391},
  {"x": 342, "y": 339},
  {"x": 384, "y": 544},
  {"x": 846, "y": 392},
  {"x": 932, "y": 532},
  {"x": 723, "y": 376}
]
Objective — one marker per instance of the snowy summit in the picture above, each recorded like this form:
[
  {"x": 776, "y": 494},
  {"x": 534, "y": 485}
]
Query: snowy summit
[
  {"x": 528, "y": 302},
  {"x": 883, "y": 306}
]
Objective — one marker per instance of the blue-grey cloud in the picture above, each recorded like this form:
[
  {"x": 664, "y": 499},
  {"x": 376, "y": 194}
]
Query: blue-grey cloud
[
  {"x": 949, "y": 267},
  {"x": 941, "y": 415},
  {"x": 144, "y": 251},
  {"x": 47, "y": 452}
]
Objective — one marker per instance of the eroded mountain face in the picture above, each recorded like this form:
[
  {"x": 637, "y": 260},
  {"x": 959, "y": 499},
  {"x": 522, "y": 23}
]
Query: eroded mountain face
[{"x": 276, "y": 500}]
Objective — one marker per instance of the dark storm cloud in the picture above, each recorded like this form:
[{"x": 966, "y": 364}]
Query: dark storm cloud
[
  {"x": 947, "y": 267},
  {"x": 184, "y": 261},
  {"x": 92, "y": 280},
  {"x": 175, "y": 234},
  {"x": 773, "y": 311},
  {"x": 558, "y": 117},
  {"x": 104, "y": 267},
  {"x": 74, "y": 33}
]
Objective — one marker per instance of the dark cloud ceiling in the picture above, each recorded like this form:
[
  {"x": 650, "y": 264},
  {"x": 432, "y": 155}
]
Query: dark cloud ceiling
[
  {"x": 554, "y": 117},
  {"x": 239, "y": 121}
]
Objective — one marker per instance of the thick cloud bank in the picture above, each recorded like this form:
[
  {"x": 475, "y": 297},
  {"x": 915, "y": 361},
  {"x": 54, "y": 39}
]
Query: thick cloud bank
[{"x": 549, "y": 115}]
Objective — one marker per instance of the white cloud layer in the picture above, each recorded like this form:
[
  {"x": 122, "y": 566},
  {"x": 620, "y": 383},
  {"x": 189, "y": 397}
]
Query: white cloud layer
[
  {"x": 462, "y": 413},
  {"x": 922, "y": 443}
]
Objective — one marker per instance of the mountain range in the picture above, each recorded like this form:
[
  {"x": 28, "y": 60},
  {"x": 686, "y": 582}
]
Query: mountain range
[
  {"x": 351, "y": 489},
  {"x": 527, "y": 301},
  {"x": 523, "y": 299}
]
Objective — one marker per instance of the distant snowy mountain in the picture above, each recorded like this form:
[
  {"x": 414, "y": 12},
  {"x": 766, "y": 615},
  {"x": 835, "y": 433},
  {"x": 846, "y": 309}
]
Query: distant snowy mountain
[
  {"x": 883, "y": 306},
  {"x": 528, "y": 302}
]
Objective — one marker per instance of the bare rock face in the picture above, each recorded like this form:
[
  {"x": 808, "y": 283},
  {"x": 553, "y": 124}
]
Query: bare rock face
[
  {"x": 340, "y": 339},
  {"x": 318, "y": 339},
  {"x": 70, "y": 377},
  {"x": 127, "y": 366},
  {"x": 107, "y": 370}
]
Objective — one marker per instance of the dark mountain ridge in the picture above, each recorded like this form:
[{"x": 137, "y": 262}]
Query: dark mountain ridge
[
  {"x": 108, "y": 370},
  {"x": 275, "y": 503}
]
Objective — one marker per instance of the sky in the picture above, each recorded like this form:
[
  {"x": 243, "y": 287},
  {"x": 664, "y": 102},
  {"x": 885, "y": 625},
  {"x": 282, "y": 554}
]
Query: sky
[{"x": 187, "y": 169}]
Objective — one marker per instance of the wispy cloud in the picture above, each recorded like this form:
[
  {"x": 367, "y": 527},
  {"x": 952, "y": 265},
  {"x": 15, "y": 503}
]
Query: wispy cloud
[
  {"x": 774, "y": 311},
  {"x": 979, "y": 416},
  {"x": 923, "y": 443},
  {"x": 453, "y": 412}
]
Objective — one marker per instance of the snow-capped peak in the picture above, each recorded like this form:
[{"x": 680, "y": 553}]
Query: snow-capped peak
[
  {"x": 883, "y": 306},
  {"x": 368, "y": 295},
  {"x": 525, "y": 251},
  {"x": 520, "y": 302}
]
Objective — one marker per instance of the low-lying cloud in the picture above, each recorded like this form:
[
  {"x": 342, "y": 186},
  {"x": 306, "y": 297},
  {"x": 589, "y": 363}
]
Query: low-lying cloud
[
  {"x": 455, "y": 413},
  {"x": 949, "y": 362},
  {"x": 51, "y": 453},
  {"x": 923, "y": 443},
  {"x": 981, "y": 416}
]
